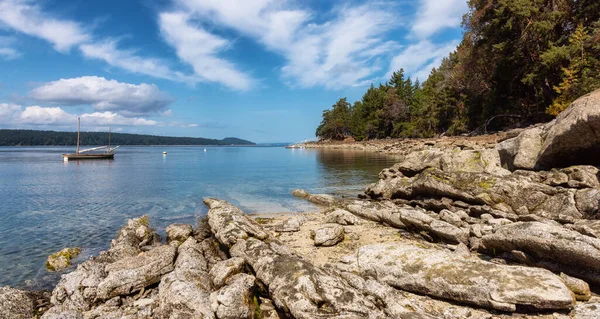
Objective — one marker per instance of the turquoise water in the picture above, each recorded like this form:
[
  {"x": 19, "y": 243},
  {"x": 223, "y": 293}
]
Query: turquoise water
[{"x": 47, "y": 204}]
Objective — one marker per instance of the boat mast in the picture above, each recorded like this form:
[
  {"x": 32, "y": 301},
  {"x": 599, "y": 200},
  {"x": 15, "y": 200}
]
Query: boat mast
[
  {"x": 78, "y": 129},
  {"x": 108, "y": 149}
]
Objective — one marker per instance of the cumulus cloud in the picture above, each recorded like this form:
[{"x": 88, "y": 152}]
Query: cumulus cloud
[
  {"x": 200, "y": 49},
  {"x": 338, "y": 52},
  {"x": 27, "y": 17},
  {"x": 105, "y": 95},
  {"x": 434, "y": 15},
  {"x": 12, "y": 114}
]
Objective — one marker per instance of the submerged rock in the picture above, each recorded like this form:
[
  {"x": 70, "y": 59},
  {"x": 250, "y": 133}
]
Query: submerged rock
[
  {"x": 295, "y": 285},
  {"x": 62, "y": 259},
  {"x": 442, "y": 274},
  {"x": 553, "y": 247}
]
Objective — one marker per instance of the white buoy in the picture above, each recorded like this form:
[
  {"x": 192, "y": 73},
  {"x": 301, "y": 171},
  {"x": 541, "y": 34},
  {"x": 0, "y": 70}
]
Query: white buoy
[
  {"x": 205, "y": 150},
  {"x": 164, "y": 153}
]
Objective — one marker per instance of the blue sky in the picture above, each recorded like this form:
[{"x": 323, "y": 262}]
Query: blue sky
[{"x": 262, "y": 70}]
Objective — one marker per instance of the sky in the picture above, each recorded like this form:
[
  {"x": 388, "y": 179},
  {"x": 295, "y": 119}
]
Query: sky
[{"x": 262, "y": 70}]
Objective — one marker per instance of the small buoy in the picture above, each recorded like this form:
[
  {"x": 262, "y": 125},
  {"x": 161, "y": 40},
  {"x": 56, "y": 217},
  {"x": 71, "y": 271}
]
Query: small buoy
[
  {"x": 205, "y": 150},
  {"x": 164, "y": 153}
]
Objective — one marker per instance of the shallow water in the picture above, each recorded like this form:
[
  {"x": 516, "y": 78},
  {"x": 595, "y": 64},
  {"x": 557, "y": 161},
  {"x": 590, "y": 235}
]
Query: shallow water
[{"x": 47, "y": 204}]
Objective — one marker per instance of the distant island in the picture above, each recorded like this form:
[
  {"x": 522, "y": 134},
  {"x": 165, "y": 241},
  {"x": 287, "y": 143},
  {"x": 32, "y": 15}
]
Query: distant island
[{"x": 48, "y": 138}]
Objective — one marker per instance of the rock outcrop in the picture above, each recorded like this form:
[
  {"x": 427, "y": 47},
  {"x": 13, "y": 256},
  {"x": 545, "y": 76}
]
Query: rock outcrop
[
  {"x": 16, "y": 304},
  {"x": 296, "y": 286},
  {"x": 552, "y": 246},
  {"x": 572, "y": 138},
  {"x": 434, "y": 272},
  {"x": 62, "y": 259}
]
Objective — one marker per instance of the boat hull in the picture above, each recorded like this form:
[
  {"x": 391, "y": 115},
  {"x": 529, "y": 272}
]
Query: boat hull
[{"x": 72, "y": 157}]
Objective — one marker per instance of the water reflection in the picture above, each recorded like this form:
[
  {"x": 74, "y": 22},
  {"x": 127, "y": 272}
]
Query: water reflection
[{"x": 48, "y": 204}]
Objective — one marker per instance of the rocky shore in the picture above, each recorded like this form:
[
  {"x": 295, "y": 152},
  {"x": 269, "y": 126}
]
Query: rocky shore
[{"x": 503, "y": 226}]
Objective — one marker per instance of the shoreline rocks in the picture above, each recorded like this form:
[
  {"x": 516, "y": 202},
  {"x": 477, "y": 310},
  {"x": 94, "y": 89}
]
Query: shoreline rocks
[{"x": 62, "y": 259}]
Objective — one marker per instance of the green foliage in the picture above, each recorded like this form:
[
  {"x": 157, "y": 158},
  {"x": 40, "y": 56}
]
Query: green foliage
[
  {"x": 518, "y": 60},
  {"x": 35, "y": 138}
]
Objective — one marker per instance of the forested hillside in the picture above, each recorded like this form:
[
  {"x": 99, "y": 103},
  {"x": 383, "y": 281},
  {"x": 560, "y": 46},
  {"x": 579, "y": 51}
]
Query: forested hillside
[
  {"x": 520, "y": 61},
  {"x": 31, "y": 138}
]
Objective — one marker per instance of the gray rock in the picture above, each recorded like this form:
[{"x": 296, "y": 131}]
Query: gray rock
[
  {"x": 442, "y": 274},
  {"x": 295, "y": 285},
  {"x": 131, "y": 274},
  {"x": 16, "y": 304},
  {"x": 62, "y": 259},
  {"x": 554, "y": 247},
  {"x": 328, "y": 235},
  {"x": 185, "y": 292},
  {"x": 131, "y": 238},
  {"x": 319, "y": 199},
  {"x": 522, "y": 151},
  {"x": 291, "y": 224},
  {"x": 225, "y": 269},
  {"x": 343, "y": 217},
  {"x": 77, "y": 289},
  {"x": 572, "y": 138},
  {"x": 61, "y": 312},
  {"x": 408, "y": 217},
  {"x": 236, "y": 300},
  {"x": 178, "y": 232},
  {"x": 584, "y": 310},
  {"x": 580, "y": 288}
]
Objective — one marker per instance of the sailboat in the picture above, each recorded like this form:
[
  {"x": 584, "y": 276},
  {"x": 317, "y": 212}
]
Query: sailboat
[{"x": 80, "y": 154}]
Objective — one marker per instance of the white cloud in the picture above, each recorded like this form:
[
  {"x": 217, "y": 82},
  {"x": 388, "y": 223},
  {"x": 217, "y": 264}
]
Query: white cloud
[
  {"x": 11, "y": 114},
  {"x": 200, "y": 49},
  {"x": 435, "y": 15},
  {"x": 105, "y": 95},
  {"x": 27, "y": 17},
  {"x": 6, "y": 48},
  {"x": 420, "y": 58},
  {"x": 336, "y": 53},
  {"x": 128, "y": 60}
]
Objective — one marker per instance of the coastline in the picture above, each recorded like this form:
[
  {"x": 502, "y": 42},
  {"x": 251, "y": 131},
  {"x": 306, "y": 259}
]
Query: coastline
[{"x": 457, "y": 228}]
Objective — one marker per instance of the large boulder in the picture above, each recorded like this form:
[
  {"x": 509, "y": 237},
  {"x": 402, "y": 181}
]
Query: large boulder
[
  {"x": 327, "y": 235},
  {"x": 572, "y": 138},
  {"x": 295, "y": 285},
  {"x": 236, "y": 300},
  {"x": 487, "y": 161},
  {"x": 442, "y": 274},
  {"x": 551, "y": 246},
  {"x": 16, "y": 304}
]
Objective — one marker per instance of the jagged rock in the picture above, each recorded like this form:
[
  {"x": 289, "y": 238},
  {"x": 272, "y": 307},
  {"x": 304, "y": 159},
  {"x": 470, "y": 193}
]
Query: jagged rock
[
  {"x": 295, "y": 285},
  {"x": 586, "y": 310},
  {"x": 571, "y": 139},
  {"x": 185, "y": 292},
  {"x": 16, "y": 304},
  {"x": 225, "y": 269},
  {"x": 77, "y": 290},
  {"x": 62, "y": 259},
  {"x": 178, "y": 232},
  {"x": 131, "y": 238},
  {"x": 131, "y": 274},
  {"x": 408, "y": 217},
  {"x": 267, "y": 309},
  {"x": 511, "y": 194},
  {"x": 588, "y": 202},
  {"x": 442, "y": 274},
  {"x": 319, "y": 199},
  {"x": 554, "y": 247},
  {"x": 343, "y": 217},
  {"x": 580, "y": 288},
  {"x": 62, "y": 312},
  {"x": 327, "y": 235},
  {"x": 235, "y": 300}
]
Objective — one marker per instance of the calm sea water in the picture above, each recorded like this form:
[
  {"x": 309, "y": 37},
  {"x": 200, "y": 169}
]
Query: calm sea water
[{"x": 47, "y": 204}]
